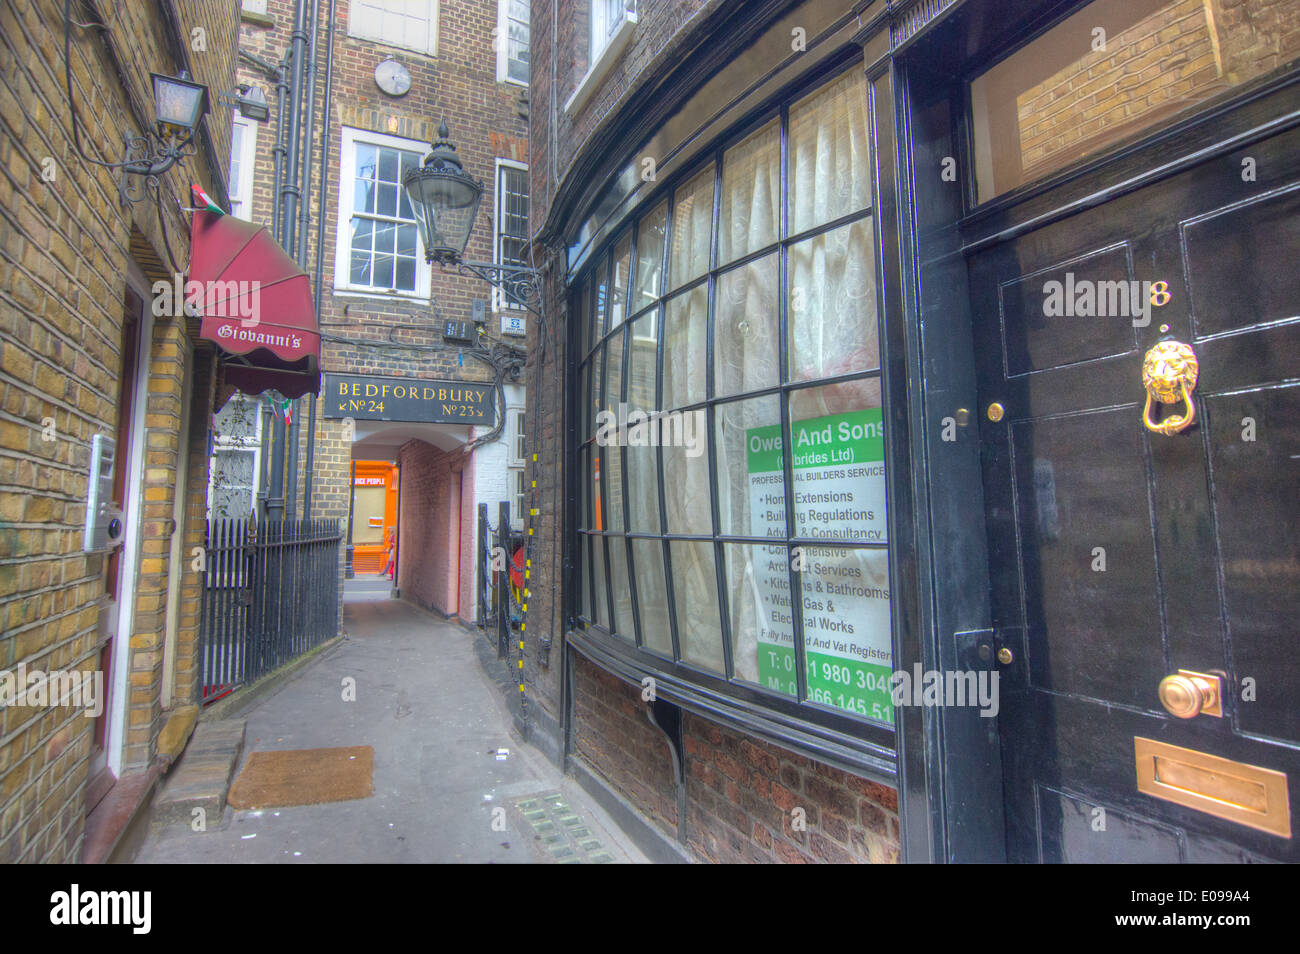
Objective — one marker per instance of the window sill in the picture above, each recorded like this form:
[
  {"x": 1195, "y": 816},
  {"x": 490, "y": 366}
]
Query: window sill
[
  {"x": 351, "y": 292},
  {"x": 608, "y": 57}
]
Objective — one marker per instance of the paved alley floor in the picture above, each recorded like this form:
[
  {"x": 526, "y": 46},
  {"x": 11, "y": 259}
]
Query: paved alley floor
[{"x": 447, "y": 761}]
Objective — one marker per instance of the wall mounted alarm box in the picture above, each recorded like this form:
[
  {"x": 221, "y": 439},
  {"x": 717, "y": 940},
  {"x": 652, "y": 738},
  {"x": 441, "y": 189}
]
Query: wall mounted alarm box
[{"x": 103, "y": 518}]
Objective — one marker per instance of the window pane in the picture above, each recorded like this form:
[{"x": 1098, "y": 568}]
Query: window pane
[
  {"x": 597, "y": 491},
  {"x": 586, "y": 405},
  {"x": 584, "y": 565},
  {"x": 363, "y": 197},
  {"x": 597, "y": 384},
  {"x": 751, "y": 193},
  {"x": 406, "y": 240},
  {"x": 613, "y": 487},
  {"x": 643, "y": 488},
  {"x": 359, "y": 274},
  {"x": 385, "y": 237},
  {"x": 599, "y": 608},
  {"x": 692, "y": 226},
  {"x": 751, "y": 498},
  {"x": 830, "y": 169},
  {"x": 832, "y": 310},
  {"x": 650, "y": 257},
  {"x": 695, "y": 594},
  {"x": 685, "y": 348},
  {"x": 386, "y": 203},
  {"x": 642, "y": 358},
  {"x": 584, "y": 496},
  {"x": 362, "y": 234},
  {"x": 846, "y": 629},
  {"x": 621, "y": 588},
  {"x": 236, "y": 156},
  {"x": 383, "y": 277},
  {"x": 405, "y": 278},
  {"x": 601, "y": 313},
  {"x": 762, "y": 631},
  {"x": 388, "y": 165},
  {"x": 618, "y": 294},
  {"x": 614, "y": 372},
  {"x": 651, "y": 594},
  {"x": 746, "y": 337},
  {"x": 686, "y": 472},
  {"x": 839, "y": 454}
]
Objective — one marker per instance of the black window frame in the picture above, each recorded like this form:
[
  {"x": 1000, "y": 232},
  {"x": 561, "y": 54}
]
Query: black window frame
[{"x": 820, "y": 730}]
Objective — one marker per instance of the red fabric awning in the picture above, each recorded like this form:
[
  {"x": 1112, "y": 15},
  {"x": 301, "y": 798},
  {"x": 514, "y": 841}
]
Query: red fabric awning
[{"x": 256, "y": 304}]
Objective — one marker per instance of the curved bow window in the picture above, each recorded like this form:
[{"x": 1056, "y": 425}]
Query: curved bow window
[{"x": 730, "y": 433}]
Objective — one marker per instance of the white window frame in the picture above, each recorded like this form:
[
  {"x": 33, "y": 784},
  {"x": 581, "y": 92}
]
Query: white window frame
[
  {"x": 602, "y": 56},
  {"x": 224, "y": 442},
  {"x": 364, "y": 31},
  {"x": 503, "y": 44},
  {"x": 343, "y": 239},
  {"x": 515, "y": 468},
  {"x": 247, "y": 157},
  {"x": 499, "y": 300}
]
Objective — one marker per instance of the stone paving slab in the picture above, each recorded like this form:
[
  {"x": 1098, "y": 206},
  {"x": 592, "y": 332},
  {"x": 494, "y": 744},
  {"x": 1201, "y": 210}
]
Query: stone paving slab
[
  {"x": 449, "y": 767},
  {"x": 201, "y": 779}
]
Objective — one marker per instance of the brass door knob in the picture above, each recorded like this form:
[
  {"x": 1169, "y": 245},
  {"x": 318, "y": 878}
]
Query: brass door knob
[{"x": 1188, "y": 694}]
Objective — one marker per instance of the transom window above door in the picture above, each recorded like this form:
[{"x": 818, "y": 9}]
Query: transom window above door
[{"x": 1111, "y": 71}]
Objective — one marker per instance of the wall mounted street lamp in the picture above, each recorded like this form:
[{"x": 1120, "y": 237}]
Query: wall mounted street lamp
[
  {"x": 179, "y": 105},
  {"x": 446, "y": 199}
]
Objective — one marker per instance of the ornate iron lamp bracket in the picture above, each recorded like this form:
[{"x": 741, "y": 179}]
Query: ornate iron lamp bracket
[{"x": 518, "y": 283}]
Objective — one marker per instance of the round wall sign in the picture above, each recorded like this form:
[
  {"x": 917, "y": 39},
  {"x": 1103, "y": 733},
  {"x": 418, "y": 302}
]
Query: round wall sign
[{"x": 393, "y": 78}]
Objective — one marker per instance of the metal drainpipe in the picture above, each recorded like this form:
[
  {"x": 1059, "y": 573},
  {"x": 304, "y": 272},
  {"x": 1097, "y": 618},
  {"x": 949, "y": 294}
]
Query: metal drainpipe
[
  {"x": 320, "y": 243},
  {"x": 270, "y": 426},
  {"x": 304, "y": 211},
  {"x": 289, "y": 191}
]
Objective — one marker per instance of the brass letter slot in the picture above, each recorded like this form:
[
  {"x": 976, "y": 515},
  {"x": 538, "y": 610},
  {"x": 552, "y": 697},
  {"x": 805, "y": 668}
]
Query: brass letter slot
[{"x": 1241, "y": 793}]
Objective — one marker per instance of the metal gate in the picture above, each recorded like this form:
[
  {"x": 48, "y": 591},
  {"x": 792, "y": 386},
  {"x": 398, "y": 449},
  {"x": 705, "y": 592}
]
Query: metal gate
[
  {"x": 499, "y": 602},
  {"x": 270, "y": 593}
]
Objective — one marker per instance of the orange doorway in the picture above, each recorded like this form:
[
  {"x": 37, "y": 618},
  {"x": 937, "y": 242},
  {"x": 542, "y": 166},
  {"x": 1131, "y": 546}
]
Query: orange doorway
[{"x": 374, "y": 518}]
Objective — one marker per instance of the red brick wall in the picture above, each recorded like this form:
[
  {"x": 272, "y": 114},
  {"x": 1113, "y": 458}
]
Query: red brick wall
[
  {"x": 401, "y": 335},
  {"x": 741, "y": 792}
]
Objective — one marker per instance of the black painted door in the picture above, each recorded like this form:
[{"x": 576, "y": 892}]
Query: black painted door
[{"x": 1120, "y": 555}]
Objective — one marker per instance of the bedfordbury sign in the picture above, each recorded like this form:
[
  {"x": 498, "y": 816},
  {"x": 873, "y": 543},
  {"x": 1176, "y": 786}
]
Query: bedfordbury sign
[{"x": 408, "y": 399}]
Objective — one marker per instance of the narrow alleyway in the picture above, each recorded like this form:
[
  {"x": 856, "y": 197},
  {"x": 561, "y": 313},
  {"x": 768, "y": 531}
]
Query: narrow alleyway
[{"x": 445, "y": 756}]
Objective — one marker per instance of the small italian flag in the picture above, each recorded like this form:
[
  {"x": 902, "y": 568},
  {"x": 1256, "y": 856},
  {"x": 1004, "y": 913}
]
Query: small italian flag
[
  {"x": 283, "y": 407},
  {"x": 204, "y": 201}
]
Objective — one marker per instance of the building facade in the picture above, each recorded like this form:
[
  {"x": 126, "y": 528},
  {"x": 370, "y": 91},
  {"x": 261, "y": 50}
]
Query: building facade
[
  {"x": 106, "y": 390},
  {"x": 967, "y": 322},
  {"x": 400, "y": 390}
]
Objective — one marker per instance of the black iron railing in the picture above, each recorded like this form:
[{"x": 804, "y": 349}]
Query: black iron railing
[
  {"x": 500, "y": 609},
  {"x": 270, "y": 593}
]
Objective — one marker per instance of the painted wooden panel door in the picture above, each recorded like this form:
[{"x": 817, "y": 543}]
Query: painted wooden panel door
[{"x": 1125, "y": 554}]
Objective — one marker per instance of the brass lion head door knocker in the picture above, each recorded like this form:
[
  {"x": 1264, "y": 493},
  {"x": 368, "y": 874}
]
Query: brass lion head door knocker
[{"x": 1169, "y": 373}]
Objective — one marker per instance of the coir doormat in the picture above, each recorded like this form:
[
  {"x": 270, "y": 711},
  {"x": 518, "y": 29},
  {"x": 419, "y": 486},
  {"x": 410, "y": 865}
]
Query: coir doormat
[{"x": 304, "y": 777}]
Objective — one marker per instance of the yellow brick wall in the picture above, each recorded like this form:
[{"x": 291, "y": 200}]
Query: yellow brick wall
[{"x": 65, "y": 243}]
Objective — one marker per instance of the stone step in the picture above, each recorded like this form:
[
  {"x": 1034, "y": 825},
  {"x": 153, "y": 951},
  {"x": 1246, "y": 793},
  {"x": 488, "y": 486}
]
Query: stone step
[{"x": 203, "y": 775}]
